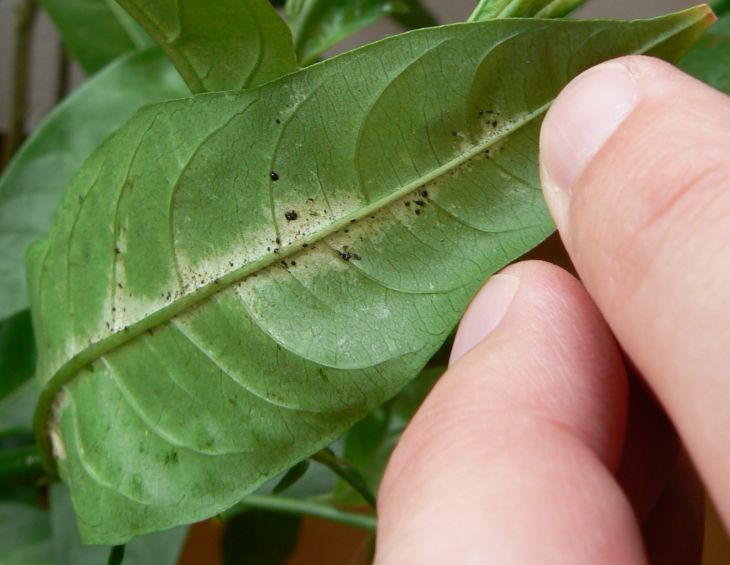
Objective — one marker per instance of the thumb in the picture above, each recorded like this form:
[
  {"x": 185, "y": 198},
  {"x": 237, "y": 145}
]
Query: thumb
[{"x": 635, "y": 169}]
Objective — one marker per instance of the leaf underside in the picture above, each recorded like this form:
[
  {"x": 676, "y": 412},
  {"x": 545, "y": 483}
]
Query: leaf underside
[{"x": 234, "y": 279}]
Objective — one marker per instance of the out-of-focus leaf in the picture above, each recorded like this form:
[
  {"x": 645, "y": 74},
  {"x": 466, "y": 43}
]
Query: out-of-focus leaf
[
  {"x": 95, "y": 31},
  {"x": 415, "y": 16},
  {"x": 370, "y": 442},
  {"x": 219, "y": 45},
  {"x": 318, "y": 25},
  {"x": 17, "y": 365},
  {"x": 161, "y": 548},
  {"x": 709, "y": 59},
  {"x": 256, "y": 537},
  {"x": 291, "y": 476},
  {"x": 275, "y": 263},
  {"x": 492, "y": 9},
  {"x": 25, "y": 535},
  {"x": 33, "y": 183}
]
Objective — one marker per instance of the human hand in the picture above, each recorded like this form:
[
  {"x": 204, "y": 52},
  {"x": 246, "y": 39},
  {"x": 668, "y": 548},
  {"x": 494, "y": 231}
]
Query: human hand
[{"x": 530, "y": 449}]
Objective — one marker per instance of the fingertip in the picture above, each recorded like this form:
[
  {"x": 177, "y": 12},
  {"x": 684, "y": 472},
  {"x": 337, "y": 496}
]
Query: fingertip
[{"x": 539, "y": 399}]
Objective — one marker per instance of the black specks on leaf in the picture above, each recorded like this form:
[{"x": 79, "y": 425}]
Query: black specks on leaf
[
  {"x": 293, "y": 263},
  {"x": 419, "y": 202},
  {"x": 305, "y": 245},
  {"x": 408, "y": 204},
  {"x": 278, "y": 241},
  {"x": 424, "y": 193},
  {"x": 117, "y": 250},
  {"x": 418, "y": 212},
  {"x": 291, "y": 215},
  {"x": 274, "y": 176},
  {"x": 453, "y": 133},
  {"x": 114, "y": 309},
  {"x": 278, "y": 121},
  {"x": 276, "y": 249},
  {"x": 120, "y": 285},
  {"x": 344, "y": 255}
]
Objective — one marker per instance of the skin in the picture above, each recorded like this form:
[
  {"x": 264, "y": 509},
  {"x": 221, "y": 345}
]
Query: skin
[{"x": 555, "y": 435}]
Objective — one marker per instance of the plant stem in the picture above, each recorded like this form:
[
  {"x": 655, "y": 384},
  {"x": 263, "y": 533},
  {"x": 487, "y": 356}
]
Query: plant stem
[
  {"x": 21, "y": 66},
  {"x": 720, "y": 7},
  {"x": 64, "y": 72},
  {"x": 20, "y": 462},
  {"x": 347, "y": 473},
  {"x": 116, "y": 555},
  {"x": 303, "y": 507}
]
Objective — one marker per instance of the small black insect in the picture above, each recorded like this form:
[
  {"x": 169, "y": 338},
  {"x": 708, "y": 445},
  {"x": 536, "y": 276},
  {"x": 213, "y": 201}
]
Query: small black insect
[
  {"x": 274, "y": 176},
  {"x": 345, "y": 255},
  {"x": 291, "y": 215}
]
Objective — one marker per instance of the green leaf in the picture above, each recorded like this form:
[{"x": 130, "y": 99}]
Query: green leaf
[
  {"x": 25, "y": 535},
  {"x": 257, "y": 537},
  {"x": 235, "y": 279},
  {"x": 17, "y": 366},
  {"x": 370, "y": 442},
  {"x": 415, "y": 17},
  {"x": 162, "y": 548},
  {"x": 709, "y": 60},
  {"x": 31, "y": 186},
  {"x": 17, "y": 353},
  {"x": 318, "y": 25},
  {"x": 221, "y": 45},
  {"x": 492, "y": 9},
  {"x": 95, "y": 31},
  {"x": 291, "y": 476}
]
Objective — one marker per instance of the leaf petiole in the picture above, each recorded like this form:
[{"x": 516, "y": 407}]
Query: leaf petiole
[
  {"x": 347, "y": 473},
  {"x": 305, "y": 508}
]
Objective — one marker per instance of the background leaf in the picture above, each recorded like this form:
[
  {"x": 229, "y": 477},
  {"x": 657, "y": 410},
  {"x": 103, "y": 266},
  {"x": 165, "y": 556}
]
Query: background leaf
[
  {"x": 492, "y": 9},
  {"x": 95, "y": 31},
  {"x": 279, "y": 261},
  {"x": 318, "y": 25},
  {"x": 709, "y": 60},
  {"x": 221, "y": 45},
  {"x": 25, "y": 535},
  {"x": 369, "y": 443},
  {"x": 31, "y": 186},
  {"x": 17, "y": 365},
  {"x": 162, "y": 548},
  {"x": 415, "y": 16}
]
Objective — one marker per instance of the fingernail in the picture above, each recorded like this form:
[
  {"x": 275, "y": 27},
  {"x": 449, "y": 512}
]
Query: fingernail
[
  {"x": 484, "y": 313},
  {"x": 584, "y": 116}
]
